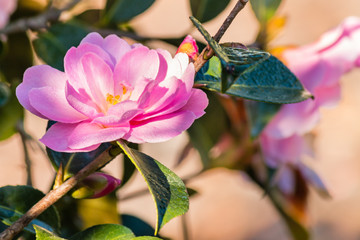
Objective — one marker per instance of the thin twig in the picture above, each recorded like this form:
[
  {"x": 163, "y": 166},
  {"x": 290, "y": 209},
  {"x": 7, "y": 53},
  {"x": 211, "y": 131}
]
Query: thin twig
[
  {"x": 37, "y": 22},
  {"x": 58, "y": 193},
  {"x": 24, "y": 139},
  {"x": 207, "y": 53}
]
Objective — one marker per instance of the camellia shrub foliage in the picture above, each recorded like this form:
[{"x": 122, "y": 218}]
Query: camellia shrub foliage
[{"x": 104, "y": 93}]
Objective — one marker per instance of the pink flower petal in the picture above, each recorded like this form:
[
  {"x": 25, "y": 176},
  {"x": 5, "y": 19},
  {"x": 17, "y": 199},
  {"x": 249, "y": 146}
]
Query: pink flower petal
[
  {"x": 197, "y": 102},
  {"x": 74, "y": 67},
  {"x": 82, "y": 102},
  {"x": 119, "y": 114},
  {"x": 80, "y": 137},
  {"x": 99, "y": 78},
  {"x": 161, "y": 128},
  {"x": 135, "y": 70},
  {"x": 42, "y": 92}
]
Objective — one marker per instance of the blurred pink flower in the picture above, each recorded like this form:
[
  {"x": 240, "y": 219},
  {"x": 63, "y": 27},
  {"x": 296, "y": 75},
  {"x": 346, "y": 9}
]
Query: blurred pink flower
[
  {"x": 112, "y": 90},
  {"x": 96, "y": 185},
  {"x": 189, "y": 47},
  {"x": 319, "y": 66},
  {"x": 7, "y": 7}
]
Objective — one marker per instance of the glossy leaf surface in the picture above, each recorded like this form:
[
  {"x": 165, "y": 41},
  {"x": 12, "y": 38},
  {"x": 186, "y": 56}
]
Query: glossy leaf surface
[
  {"x": 119, "y": 11},
  {"x": 16, "y": 200},
  {"x": 44, "y": 234},
  {"x": 167, "y": 189},
  {"x": 105, "y": 231}
]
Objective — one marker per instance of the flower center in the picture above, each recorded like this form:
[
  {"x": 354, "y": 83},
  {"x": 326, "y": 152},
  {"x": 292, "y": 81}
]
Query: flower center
[
  {"x": 113, "y": 100},
  {"x": 118, "y": 98}
]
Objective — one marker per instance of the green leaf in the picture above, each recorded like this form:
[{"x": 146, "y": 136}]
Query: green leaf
[
  {"x": 16, "y": 57},
  {"x": 120, "y": 11},
  {"x": 167, "y": 189},
  {"x": 44, "y": 234},
  {"x": 137, "y": 225},
  {"x": 11, "y": 113},
  {"x": 264, "y": 9},
  {"x": 106, "y": 232},
  {"x": 205, "y": 10},
  {"x": 259, "y": 115},
  {"x": 270, "y": 81},
  {"x": 52, "y": 45},
  {"x": 128, "y": 167},
  {"x": 16, "y": 200}
]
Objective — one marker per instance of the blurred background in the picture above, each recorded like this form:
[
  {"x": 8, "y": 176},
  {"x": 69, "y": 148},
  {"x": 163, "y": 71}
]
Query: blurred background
[{"x": 228, "y": 205}]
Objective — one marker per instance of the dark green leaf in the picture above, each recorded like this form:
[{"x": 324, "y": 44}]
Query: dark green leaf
[
  {"x": 16, "y": 200},
  {"x": 74, "y": 162},
  {"x": 16, "y": 58},
  {"x": 11, "y": 113},
  {"x": 137, "y": 225},
  {"x": 264, "y": 9},
  {"x": 120, "y": 11},
  {"x": 167, "y": 189},
  {"x": 205, "y": 10},
  {"x": 44, "y": 234},
  {"x": 105, "y": 232},
  {"x": 128, "y": 167},
  {"x": 259, "y": 115},
  {"x": 270, "y": 81},
  {"x": 52, "y": 45}
]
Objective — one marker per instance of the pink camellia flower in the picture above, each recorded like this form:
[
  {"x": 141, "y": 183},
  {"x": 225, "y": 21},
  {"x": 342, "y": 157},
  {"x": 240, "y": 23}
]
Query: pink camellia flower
[
  {"x": 96, "y": 185},
  {"x": 7, "y": 7},
  {"x": 112, "y": 90},
  {"x": 319, "y": 66}
]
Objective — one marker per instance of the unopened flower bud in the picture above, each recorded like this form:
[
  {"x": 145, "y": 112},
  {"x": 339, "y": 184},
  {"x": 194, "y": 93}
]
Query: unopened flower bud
[
  {"x": 96, "y": 185},
  {"x": 189, "y": 47}
]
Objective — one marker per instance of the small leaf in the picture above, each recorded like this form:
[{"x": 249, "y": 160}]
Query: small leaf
[
  {"x": 167, "y": 189},
  {"x": 44, "y": 234},
  {"x": 259, "y": 115},
  {"x": 52, "y": 45},
  {"x": 16, "y": 200},
  {"x": 120, "y": 11},
  {"x": 205, "y": 10},
  {"x": 105, "y": 231},
  {"x": 264, "y": 9}
]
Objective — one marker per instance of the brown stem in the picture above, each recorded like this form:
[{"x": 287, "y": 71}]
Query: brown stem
[
  {"x": 37, "y": 22},
  {"x": 58, "y": 193},
  {"x": 20, "y": 128},
  {"x": 207, "y": 53}
]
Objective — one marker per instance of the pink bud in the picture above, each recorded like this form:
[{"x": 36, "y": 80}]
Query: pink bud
[
  {"x": 189, "y": 47},
  {"x": 96, "y": 185}
]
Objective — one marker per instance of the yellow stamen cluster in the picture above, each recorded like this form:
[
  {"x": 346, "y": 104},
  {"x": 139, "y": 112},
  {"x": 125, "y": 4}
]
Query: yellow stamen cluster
[{"x": 112, "y": 100}]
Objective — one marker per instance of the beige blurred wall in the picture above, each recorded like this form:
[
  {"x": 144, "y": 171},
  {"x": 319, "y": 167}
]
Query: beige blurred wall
[{"x": 228, "y": 206}]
